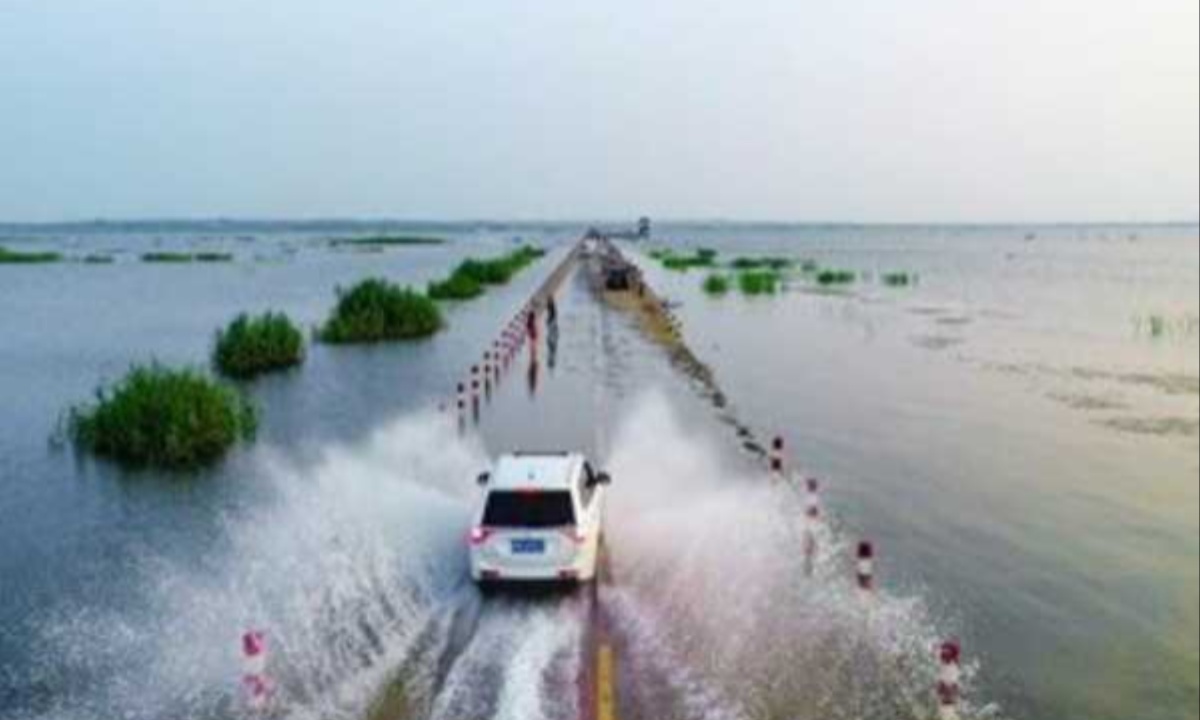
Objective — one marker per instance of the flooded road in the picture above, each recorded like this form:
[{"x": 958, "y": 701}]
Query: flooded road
[{"x": 342, "y": 533}]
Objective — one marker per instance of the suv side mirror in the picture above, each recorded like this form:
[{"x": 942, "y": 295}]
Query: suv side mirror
[
  {"x": 483, "y": 479},
  {"x": 603, "y": 479}
]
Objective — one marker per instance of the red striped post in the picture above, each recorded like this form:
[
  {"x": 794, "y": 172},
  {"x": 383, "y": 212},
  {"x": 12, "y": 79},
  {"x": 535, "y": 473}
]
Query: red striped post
[
  {"x": 949, "y": 687},
  {"x": 866, "y": 567},
  {"x": 812, "y": 518},
  {"x": 776, "y": 457},
  {"x": 254, "y": 676}
]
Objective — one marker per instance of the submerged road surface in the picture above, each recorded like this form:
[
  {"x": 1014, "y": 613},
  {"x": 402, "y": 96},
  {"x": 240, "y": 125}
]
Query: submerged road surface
[{"x": 707, "y": 609}]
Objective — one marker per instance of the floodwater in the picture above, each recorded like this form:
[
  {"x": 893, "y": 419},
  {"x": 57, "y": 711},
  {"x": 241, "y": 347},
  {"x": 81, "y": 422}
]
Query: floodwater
[{"x": 1016, "y": 431}]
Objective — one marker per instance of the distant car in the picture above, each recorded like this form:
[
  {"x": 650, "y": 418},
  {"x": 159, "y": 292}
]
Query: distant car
[{"x": 541, "y": 520}]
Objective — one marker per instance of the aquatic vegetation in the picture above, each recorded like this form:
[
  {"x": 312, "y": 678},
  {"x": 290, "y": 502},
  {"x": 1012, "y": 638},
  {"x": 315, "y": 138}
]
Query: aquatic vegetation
[
  {"x": 16, "y": 257},
  {"x": 378, "y": 311},
  {"x": 459, "y": 286},
  {"x": 469, "y": 278},
  {"x": 898, "y": 279},
  {"x": 716, "y": 284},
  {"x": 383, "y": 241},
  {"x": 760, "y": 263},
  {"x": 702, "y": 258},
  {"x": 809, "y": 267},
  {"x": 167, "y": 257},
  {"x": 250, "y": 346},
  {"x": 759, "y": 282},
  {"x": 162, "y": 417},
  {"x": 98, "y": 259},
  {"x": 836, "y": 277},
  {"x": 1158, "y": 326},
  {"x": 170, "y": 257}
]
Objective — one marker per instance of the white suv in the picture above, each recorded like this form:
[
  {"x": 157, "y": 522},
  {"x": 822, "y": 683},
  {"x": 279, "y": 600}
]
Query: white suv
[{"x": 541, "y": 520}]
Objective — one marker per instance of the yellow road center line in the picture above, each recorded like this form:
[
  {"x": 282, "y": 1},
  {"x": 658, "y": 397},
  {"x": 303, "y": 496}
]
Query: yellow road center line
[{"x": 606, "y": 698}]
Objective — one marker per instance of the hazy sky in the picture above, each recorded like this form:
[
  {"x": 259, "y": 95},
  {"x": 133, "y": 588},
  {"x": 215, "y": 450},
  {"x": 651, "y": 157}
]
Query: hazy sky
[{"x": 905, "y": 110}]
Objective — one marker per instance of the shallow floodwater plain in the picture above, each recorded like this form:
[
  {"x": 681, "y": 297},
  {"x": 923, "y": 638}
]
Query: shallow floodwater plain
[{"x": 1017, "y": 431}]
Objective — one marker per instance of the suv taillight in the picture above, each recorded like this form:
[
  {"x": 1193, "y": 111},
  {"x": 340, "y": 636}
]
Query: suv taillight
[{"x": 479, "y": 535}]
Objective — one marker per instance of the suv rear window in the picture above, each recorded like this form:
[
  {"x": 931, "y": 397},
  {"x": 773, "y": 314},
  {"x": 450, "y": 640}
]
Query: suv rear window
[{"x": 529, "y": 510}]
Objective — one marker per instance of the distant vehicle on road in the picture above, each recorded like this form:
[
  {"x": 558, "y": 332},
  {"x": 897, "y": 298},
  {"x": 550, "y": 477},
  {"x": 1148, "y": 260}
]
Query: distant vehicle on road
[{"x": 541, "y": 521}]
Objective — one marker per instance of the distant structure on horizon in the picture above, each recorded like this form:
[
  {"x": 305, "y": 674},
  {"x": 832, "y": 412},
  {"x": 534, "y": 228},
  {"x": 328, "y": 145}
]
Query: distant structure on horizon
[{"x": 641, "y": 232}]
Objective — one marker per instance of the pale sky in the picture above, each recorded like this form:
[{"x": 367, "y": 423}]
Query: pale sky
[{"x": 870, "y": 111}]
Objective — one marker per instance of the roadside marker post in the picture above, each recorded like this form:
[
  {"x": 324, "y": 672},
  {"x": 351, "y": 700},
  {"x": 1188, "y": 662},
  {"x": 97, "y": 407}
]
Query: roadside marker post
[
  {"x": 949, "y": 687},
  {"x": 254, "y": 677},
  {"x": 776, "y": 458},
  {"x": 812, "y": 519},
  {"x": 866, "y": 568}
]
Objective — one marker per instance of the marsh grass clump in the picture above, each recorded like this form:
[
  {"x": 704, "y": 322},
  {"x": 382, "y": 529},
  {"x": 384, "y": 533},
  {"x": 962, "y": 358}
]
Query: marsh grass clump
[
  {"x": 250, "y": 346},
  {"x": 376, "y": 310},
  {"x": 898, "y": 279},
  {"x": 213, "y": 257},
  {"x": 98, "y": 259},
  {"x": 167, "y": 257},
  {"x": 716, "y": 284},
  {"x": 702, "y": 258},
  {"x": 469, "y": 279},
  {"x": 760, "y": 263},
  {"x": 759, "y": 282},
  {"x": 459, "y": 286},
  {"x": 810, "y": 267},
  {"x": 832, "y": 277},
  {"x": 383, "y": 241},
  {"x": 17, "y": 257},
  {"x": 165, "y": 418}
]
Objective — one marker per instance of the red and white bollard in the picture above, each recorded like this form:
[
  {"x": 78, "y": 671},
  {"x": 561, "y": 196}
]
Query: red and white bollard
[
  {"x": 254, "y": 676},
  {"x": 812, "y": 518},
  {"x": 776, "y": 457},
  {"x": 949, "y": 687},
  {"x": 866, "y": 567},
  {"x": 812, "y": 501}
]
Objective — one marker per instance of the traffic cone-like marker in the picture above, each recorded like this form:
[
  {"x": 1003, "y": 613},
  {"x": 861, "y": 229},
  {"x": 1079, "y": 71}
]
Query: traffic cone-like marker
[
  {"x": 254, "y": 676},
  {"x": 866, "y": 568},
  {"x": 775, "y": 457},
  {"x": 812, "y": 518},
  {"x": 949, "y": 687}
]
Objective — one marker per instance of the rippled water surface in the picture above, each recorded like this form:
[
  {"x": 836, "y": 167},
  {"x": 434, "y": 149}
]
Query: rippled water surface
[{"x": 1016, "y": 429}]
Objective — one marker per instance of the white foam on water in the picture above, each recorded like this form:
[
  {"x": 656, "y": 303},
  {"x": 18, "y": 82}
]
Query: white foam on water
[
  {"x": 712, "y": 584},
  {"x": 342, "y": 568}
]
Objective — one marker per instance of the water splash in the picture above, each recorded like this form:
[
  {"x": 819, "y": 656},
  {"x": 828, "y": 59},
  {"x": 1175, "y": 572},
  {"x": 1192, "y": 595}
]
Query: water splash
[
  {"x": 343, "y": 567},
  {"x": 713, "y": 588}
]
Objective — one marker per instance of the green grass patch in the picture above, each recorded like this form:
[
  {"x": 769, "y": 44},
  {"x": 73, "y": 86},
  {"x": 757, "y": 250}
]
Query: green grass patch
[
  {"x": 166, "y": 418},
  {"x": 759, "y": 282},
  {"x": 898, "y": 279},
  {"x": 16, "y": 257},
  {"x": 182, "y": 257},
  {"x": 250, "y": 346},
  {"x": 382, "y": 241},
  {"x": 716, "y": 284},
  {"x": 702, "y": 258},
  {"x": 167, "y": 257},
  {"x": 459, "y": 286},
  {"x": 833, "y": 277},
  {"x": 470, "y": 278},
  {"x": 762, "y": 263},
  {"x": 378, "y": 311}
]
